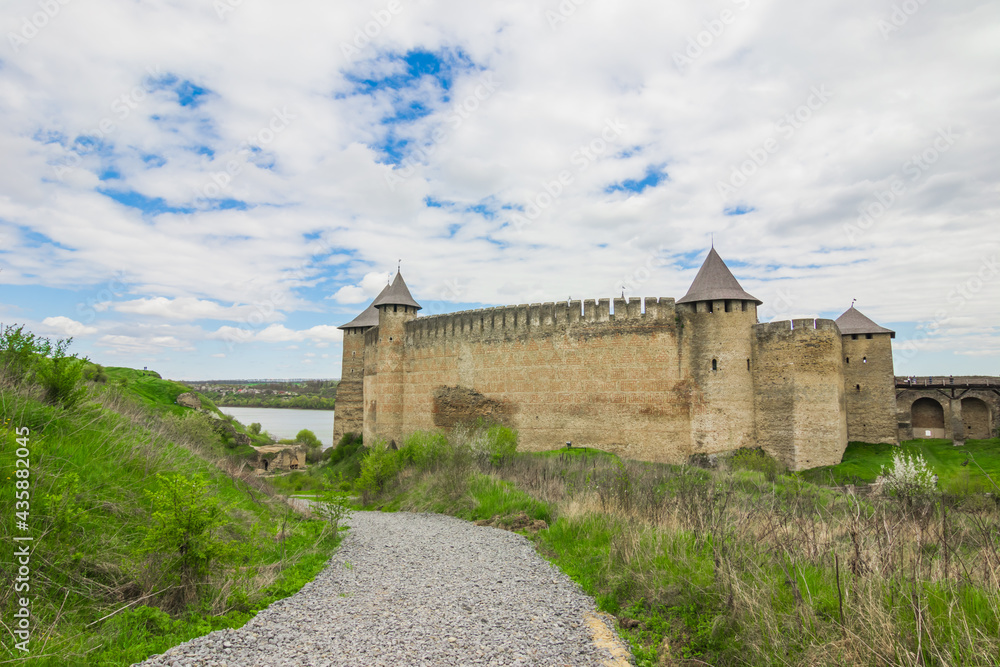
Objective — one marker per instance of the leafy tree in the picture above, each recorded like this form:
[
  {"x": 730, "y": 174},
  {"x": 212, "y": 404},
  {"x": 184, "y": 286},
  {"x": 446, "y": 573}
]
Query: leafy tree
[
  {"x": 185, "y": 528},
  {"x": 255, "y": 428},
  {"x": 62, "y": 375},
  {"x": 307, "y": 438}
]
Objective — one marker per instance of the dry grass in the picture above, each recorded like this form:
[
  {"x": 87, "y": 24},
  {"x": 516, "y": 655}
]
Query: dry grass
[{"x": 784, "y": 572}]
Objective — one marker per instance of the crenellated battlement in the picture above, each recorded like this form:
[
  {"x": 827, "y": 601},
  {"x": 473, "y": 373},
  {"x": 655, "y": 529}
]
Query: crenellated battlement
[
  {"x": 798, "y": 326},
  {"x": 541, "y": 317}
]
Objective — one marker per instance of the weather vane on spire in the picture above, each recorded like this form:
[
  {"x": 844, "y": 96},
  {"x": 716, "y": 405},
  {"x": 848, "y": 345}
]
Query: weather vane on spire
[
  {"x": 399, "y": 262},
  {"x": 713, "y": 239},
  {"x": 852, "y": 302}
]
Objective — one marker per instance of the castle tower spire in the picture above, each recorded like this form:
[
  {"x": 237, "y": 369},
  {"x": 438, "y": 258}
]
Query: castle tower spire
[{"x": 715, "y": 282}]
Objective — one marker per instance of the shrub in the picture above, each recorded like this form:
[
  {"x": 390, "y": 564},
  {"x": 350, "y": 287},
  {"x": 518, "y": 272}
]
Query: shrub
[
  {"x": 494, "y": 445},
  {"x": 254, "y": 428},
  {"x": 757, "y": 460},
  {"x": 348, "y": 445},
  {"x": 185, "y": 527},
  {"x": 908, "y": 478},
  {"x": 426, "y": 450},
  {"x": 61, "y": 376},
  {"x": 378, "y": 468},
  {"x": 19, "y": 352},
  {"x": 332, "y": 505}
]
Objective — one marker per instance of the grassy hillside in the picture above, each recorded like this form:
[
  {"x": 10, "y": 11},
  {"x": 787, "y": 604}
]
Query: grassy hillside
[
  {"x": 144, "y": 532},
  {"x": 955, "y": 466}
]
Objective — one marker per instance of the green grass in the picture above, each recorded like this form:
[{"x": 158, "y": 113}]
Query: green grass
[
  {"x": 862, "y": 463},
  {"x": 91, "y": 469},
  {"x": 153, "y": 390}
]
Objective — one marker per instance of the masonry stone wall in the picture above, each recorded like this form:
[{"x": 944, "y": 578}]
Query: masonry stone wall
[
  {"x": 557, "y": 373},
  {"x": 799, "y": 392},
  {"x": 870, "y": 388},
  {"x": 350, "y": 389}
]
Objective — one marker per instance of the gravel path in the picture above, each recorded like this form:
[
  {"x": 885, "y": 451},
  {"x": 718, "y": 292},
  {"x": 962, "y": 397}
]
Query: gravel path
[{"x": 420, "y": 589}]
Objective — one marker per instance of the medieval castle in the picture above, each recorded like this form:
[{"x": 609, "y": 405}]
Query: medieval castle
[{"x": 653, "y": 379}]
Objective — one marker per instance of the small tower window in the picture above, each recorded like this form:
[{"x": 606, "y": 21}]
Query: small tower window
[
  {"x": 729, "y": 306},
  {"x": 711, "y": 307},
  {"x": 847, "y": 360},
  {"x": 864, "y": 360},
  {"x": 390, "y": 339},
  {"x": 715, "y": 364},
  {"x": 854, "y": 336},
  {"x": 748, "y": 364},
  {"x": 868, "y": 336},
  {"x": 857, "y": 387}
]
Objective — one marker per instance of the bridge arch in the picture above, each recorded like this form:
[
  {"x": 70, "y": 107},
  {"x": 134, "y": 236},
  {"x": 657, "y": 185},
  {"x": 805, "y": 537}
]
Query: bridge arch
[
  {"x": 976, "y": 420},
  {"x": 927, "y": 417}
]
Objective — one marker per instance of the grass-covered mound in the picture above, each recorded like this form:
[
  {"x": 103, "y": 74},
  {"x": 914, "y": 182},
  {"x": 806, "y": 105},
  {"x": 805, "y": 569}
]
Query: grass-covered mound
[
  {"x": 960, "y": 470},
  {"x": 144, "y": 531}
]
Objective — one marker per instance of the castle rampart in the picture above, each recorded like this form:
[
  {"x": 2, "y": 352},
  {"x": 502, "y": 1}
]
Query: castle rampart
[{"x": 653, "y": 379}]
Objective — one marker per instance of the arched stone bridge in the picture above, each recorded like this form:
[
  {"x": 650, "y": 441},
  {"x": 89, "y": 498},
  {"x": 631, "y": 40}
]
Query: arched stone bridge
[{"x": 953, "y": 408}]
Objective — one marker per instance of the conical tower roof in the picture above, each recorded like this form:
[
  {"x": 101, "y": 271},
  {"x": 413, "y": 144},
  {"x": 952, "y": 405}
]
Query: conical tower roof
[
  {"x": 368, "y": 317},
  {"x": 396, "y": 295},
  {"x": 715, "y": 282},
  {"x": 853, "y": 322}
]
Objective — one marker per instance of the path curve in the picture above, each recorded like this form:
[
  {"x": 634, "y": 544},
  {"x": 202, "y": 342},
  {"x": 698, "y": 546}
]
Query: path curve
[{"x": 420, "y": 589}]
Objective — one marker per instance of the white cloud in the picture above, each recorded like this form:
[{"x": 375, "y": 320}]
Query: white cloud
[
  {"x": 368, "y": 289},
  {"x": 64, "y": 326},
  {"x": 190, "y": 308},
  {"x": 321, "y": 227}
]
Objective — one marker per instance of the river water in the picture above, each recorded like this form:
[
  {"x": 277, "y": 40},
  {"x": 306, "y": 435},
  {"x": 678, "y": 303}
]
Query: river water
[{"x": 286, "y": 422}]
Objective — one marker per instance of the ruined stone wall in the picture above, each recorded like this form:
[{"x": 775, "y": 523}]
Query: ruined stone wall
[
  {"x": 799, "y": 392},
  {"x": 869, "y": 388},
  {"x": 349, "y": 409},
  {"x": 716, "y": 351},
  {"x": 556, "y": 374}
]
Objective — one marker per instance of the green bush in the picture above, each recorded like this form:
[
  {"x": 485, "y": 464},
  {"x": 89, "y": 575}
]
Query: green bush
[
  {"x": 426, "y": 449},
  {"x": 493, "y": 445},
  {"x": 185, "y": 528},
  {"x": 19, "y": 353},
  {"x": 348, "y": 445},
  {"x": 61, "y": 375},
  {"x": 757, "y": 460},
  {"x": 378, "y": 468},
  {"x": 308, "y": 438}
]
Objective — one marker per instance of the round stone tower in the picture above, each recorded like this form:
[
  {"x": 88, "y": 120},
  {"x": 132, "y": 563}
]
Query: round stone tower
[
  {"x": 869, "y": 379},
  {"x": 384, "y": 389},
  {"x": 716, "y": 320},
  {"x": 349, "y": 414}
]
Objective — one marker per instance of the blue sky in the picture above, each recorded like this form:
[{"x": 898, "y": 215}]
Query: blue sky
[{"x": 217, "y": 210}]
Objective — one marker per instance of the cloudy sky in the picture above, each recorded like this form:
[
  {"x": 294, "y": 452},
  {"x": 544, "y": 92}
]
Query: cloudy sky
[{"x": 210, "y": 187}]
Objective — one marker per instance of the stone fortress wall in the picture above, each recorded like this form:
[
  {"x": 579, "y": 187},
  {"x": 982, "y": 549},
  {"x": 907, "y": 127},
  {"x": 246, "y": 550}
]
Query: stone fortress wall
[{"x": 652, "y": 379}]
